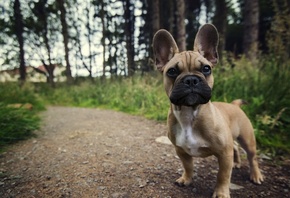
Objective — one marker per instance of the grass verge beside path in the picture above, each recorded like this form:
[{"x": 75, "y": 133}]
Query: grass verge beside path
[
  {"x": 265, "y": 87},
  {"x": 17, "y": 122}
]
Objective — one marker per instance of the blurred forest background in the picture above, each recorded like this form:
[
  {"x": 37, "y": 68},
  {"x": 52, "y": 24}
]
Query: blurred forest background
[
  {"x": 113, "y": 37},
  {"x": 98, "y": 53}
]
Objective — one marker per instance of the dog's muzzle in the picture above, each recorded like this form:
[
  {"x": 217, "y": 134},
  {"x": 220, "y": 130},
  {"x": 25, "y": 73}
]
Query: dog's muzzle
[{"x": 191, "y": 90}]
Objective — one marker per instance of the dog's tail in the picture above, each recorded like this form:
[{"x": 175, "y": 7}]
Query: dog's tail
[{"x": 239, "y": 102}]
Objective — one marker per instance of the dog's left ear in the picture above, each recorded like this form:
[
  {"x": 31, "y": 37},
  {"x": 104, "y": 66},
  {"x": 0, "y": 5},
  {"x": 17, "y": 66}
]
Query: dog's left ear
[
  {"x": 164, "y": 48},
  {"x": 206, "y": 43}
]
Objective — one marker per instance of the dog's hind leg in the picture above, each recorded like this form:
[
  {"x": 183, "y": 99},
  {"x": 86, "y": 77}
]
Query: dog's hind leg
[
  {"x": 248, "y": 143},
  {"x": 237, "y": 158}
]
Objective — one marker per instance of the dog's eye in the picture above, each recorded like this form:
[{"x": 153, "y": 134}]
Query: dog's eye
[
  {"x": 206, "y": 70},
  {"x": 172, "y": 73}
]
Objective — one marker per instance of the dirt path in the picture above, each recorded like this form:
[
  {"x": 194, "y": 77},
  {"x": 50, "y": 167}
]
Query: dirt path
[{"x": 98, "y": 153}]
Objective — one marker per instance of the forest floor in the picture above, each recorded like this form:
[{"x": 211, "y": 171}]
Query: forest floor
[{"x": 83, "y": 152}]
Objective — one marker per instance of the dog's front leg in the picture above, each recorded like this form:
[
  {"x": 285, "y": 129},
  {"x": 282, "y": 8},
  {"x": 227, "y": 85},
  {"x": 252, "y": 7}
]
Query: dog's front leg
[
  {"x": 224, "y": 175},
  {"x": 187, "y": 163}
]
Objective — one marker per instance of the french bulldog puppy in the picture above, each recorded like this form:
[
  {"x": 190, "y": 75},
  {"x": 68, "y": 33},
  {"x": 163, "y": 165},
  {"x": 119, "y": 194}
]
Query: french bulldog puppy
[{"x": 198, "y": 127}]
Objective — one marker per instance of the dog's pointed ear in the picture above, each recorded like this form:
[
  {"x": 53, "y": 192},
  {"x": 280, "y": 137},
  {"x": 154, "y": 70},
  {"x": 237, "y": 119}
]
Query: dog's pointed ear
[
  {"x": 164, "y": 48},
  {"x": 206, "y": 43}
]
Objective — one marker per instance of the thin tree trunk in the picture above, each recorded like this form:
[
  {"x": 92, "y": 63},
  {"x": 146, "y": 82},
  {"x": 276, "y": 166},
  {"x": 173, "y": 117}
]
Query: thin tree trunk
[
  {"x": 80, "y": 52},
  {"x": 180, "y": 20},
  {"x": 103, "y": 41},
  {"x": 251, "y": 29},
  {"x": 19, "y": 34},
  {"x": 88, "y": 25},
  {"x": 65, "y": 38},
  {"x": 48, "y": 67},
  {"x": 129, "y": 35},
  {"x": 171, "y": 16},
  {"x": 155, "y": 16},
  {"x": 220, "y": 21},
  {"x": 43, "y": 18}
]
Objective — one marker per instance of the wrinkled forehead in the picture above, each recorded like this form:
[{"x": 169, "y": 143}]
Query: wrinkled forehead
[{"x": 187, "y": 61}]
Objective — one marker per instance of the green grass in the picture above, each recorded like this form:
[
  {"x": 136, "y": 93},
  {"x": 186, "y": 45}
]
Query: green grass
[
  {"x": 265, "y": 86},
  {"x": 12, "y": 93},
  {"x": 267, "y": 89},
  {"x": 18, "y": 123},
  {"x": 139, "y": 95}
]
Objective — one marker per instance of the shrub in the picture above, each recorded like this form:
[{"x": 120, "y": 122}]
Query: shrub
[
  {"x": 266, "y": 89},
  {"x": 16, "y": 124},
  {"x": 12, "y": 93}
]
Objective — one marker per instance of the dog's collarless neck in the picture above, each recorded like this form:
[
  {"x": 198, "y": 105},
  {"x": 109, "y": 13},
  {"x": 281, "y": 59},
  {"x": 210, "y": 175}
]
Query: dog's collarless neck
[{"x": 185, "y": 113}]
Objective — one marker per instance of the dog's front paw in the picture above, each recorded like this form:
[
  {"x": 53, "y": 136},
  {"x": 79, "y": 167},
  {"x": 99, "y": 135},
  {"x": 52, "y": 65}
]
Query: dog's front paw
[
  {"x": 256, "y": 176},
  {"x": 221, "y": 193},
  {"x": 183, "y": 181}
]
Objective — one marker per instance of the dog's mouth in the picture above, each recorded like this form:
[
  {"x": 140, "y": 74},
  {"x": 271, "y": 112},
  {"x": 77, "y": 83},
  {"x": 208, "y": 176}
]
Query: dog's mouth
[{"x": 190, "y": 92}]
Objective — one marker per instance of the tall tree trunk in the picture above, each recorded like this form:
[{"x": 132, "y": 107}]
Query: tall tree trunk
[
  {"x": 251, "y": 29},
  {"x": 220, "y": 21},
  {"x": 65, "y": 38},
  {"x": 129, "y": 35},
  {"x": 88, "y": 25},
  {"x": 19, "y": 34},
  {"x": 42, "y": 17},
  {"x": 80, "y": 51},
  {"x": 103, "y": 41},
  {"x": 180, "y": 25},
  {"x": 155, "y": 16},
  {"x": 171, "y": 16},
  {"x": 152, "y": 25},
  {"x": 49, "y": 67},
  {"x": 193, "y": 9}
]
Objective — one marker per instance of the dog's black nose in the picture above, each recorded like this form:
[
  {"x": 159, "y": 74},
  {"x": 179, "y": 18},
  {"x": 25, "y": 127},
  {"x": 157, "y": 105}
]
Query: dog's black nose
[{"x": 191, "y": 80}]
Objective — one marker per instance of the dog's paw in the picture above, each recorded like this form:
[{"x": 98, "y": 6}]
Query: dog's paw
[
  {"x": 220, "y": 193},
  {"x": 257, "y": 177},
  {"x": 237, "y": 165},
  {"x": 182, "y": 181}
]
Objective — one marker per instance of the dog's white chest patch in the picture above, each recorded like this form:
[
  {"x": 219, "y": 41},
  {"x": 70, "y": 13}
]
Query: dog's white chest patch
[
  {"x": 191, "y": 143},
  {"x": 186, "y": 138}
]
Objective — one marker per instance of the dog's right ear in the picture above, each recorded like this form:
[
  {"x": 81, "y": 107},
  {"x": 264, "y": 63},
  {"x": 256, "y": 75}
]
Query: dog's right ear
[{"x": 164, "y": 48}]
